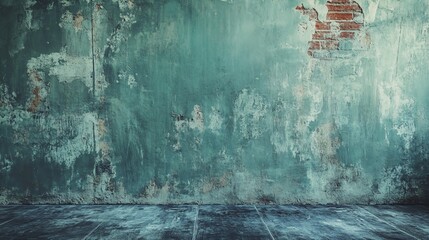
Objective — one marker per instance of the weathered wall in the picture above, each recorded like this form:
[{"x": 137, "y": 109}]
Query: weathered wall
[{"x": 214, "y": 101}]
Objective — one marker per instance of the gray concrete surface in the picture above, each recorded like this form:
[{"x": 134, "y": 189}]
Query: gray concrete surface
[{"x": 214, "y": 222}]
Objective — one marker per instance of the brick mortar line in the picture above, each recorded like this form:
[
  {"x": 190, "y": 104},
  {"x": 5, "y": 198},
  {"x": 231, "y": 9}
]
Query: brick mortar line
[
  {"x": 343, "y": 11},
  {"x": 340, "y": 20},
  {"x": 332, "y": 31}
]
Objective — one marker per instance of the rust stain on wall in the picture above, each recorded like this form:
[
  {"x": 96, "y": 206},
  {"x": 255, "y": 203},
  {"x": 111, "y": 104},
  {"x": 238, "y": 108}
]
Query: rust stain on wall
[
  {"x": 77, "y": 20},
  {"x": 37, "y": 82}
]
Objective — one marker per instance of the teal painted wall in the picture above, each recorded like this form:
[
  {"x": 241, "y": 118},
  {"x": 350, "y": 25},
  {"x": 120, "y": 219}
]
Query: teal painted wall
[{"x": 211, "y": 101}]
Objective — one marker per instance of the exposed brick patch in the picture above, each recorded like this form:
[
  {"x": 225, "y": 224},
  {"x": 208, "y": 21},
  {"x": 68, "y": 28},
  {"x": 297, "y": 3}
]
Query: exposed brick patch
[{"x": 344, "y": 22}]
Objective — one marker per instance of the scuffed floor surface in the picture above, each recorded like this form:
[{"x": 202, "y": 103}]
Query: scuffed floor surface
[{"x": 213, "y": 222}]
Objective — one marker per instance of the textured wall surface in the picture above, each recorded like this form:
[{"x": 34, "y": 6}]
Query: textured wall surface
[{"x": 214, "y": 101}]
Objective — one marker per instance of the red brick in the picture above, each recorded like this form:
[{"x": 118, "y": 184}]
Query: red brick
[
  {"x": 340, "y": 16},
  {"x": 314, "y": 45},
  {"x": 350, "y": 26},
  {"x": 322, "y": 26},
  {"x": 319, "y": 35},
  {"x": 330, "y": 44},
  {"x": 324, "y": 35},
  {"x": 347, "y": 35},
  {"x": 344, "y": 7}
]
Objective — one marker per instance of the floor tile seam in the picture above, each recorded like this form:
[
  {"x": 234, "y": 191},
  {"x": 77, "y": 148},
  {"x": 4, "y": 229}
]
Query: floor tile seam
[
  {"x": 388, "y": 223},
  {"x": 265, "y": 224},
  {"x": 7, "y": 221},
  {"x": 10, "y": 220},
  {"x": 92, "y": 231},
  {"x": 195, "y": 229}
]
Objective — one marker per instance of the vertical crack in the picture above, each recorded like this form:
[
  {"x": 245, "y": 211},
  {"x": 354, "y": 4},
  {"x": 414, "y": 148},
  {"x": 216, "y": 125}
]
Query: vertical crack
[
  {"x": 93, "y": 72},
  {"x": 195, "y": 230},
  {"x": 92, "y": 49}
]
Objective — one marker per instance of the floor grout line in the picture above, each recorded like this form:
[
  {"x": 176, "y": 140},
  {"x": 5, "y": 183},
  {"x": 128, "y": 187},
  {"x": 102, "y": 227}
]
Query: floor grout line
[
  {"x": 388, "y": 223},
  {"x": 8, "y": 221},
  {"x": 266, "y": 226},
  {"x": 195, "y": 231},
  {"x": 93, "y": 230}
]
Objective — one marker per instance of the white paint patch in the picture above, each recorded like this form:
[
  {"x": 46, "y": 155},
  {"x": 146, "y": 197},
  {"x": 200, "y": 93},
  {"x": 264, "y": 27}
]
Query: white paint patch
[
  {"x": 124, "y": 76},
  {"x": 65, "y": 67},
  {"x": 73, "y": 148},
  {"x": 371, "y": 13},
  {"x": 197, "y": 121},
  {"x": 396, "y": 107},
  {"x": 250, "y": 109},
  {"x": 215, "y": 121},
  {"x": 66, "y": 3},
  {"x": 9, "y": 115},
  {"x": 132, "y": 81},
  {"x": 124, "y": 5},
  {"x": 5, "y": 164}
]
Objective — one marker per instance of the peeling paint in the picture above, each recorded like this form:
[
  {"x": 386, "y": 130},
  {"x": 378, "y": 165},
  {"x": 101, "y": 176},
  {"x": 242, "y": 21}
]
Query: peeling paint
[
  {"x": 216, "y": 121},
  {"x": 197, "y": 120}
]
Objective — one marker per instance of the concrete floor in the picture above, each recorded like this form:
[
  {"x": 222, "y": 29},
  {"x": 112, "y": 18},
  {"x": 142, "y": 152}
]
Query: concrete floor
[{"x": 213, "y": 222}]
